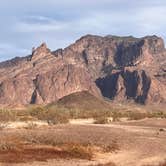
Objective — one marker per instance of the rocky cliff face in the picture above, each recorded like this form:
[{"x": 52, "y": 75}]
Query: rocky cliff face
[{"x": 119, "y": 68}]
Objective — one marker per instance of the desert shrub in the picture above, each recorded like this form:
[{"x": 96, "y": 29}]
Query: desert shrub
[
  {"x": 36, "y": 112},
  {"x": 41, "y": 139},
  {"x": 78, "y": 151},
  {"x": 106, "y": 164},
  {"x": 56, "y": 114},
  {"x": 50, "y": 139},
  {"x": 52, "y": 116},
  {"x": 31, "y": 138},
  {"x": 56, "y": 117},
  {"x": 7, "y": 115},
  {"x": 137, "y": 116},
  {"x": 116, "y": 115},
  {"x": 133, "y": 115},
  {"x": 3, "y": 125},
  {"x": 130, "y": 115},
  {"x": 27, "y": 118},
  {"x": 75, "y": 150},
  {"x": 101, "y": 120},
  {"x": 6, "y": 146},
  {"x": 79, "y": 113},
  {"x": 31, "y": 125},
  {"x": 112, "y": 147},
  {"x": 159, "y": 114}
]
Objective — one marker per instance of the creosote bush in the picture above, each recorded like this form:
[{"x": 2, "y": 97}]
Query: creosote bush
[
  {"x": 7, "y": 115},
  {"x": 52, "y": 116},
  {"x": 101, "y": 120},
  {"x": 6, "y": 146},
  {"x": 107, "y": 164},
  {"x": 55, "y": 114}
]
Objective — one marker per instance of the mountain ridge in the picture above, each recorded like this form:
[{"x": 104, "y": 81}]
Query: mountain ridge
[{"x": 119, "y": 68}]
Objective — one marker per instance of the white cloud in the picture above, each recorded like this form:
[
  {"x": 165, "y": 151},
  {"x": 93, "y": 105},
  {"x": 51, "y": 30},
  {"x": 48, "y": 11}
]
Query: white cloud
[
  {"x": 28, "y": 23},
  {"x": 38, "y": 23},
  {"x": 27, "y": 27}
]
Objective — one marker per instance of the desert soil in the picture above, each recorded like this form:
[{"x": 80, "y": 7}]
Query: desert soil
[{"x": 140, "y": 142}]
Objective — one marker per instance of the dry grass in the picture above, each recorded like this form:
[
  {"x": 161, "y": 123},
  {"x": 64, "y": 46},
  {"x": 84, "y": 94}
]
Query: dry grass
[
  {"x": 135, "y": 115},
  {"x": 7, "y": 115},
  {"x": 113, "y": 147},
  {"x": 30, "y": 154},
  {"x": 81, "y": 105},
  {"x": 78, "y": 105},
  {"x": 12, "y": 151},
  {"x": 67, "y": 141},
  {"x": 33, "y": 145},
  {"x": 59, "y": 141},
  {"x": 79, "y": 151}
]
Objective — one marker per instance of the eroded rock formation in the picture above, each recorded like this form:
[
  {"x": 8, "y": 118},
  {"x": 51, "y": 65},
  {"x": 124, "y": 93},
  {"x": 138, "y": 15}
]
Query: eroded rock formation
[{"x": 119, "y": 68}]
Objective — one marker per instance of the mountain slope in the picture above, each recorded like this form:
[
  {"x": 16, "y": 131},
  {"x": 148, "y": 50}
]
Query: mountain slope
[
  {"x": 83, "y": 101},
  {"x": 119, "y": 68}
]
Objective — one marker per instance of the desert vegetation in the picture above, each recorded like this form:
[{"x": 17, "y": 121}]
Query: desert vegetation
[
  {"x": 107, "y": 164},
  {"x": 43, "y": 145},
  {"x": 59, "y": 140},
  {"x": 56, "y": 114},
  {"x": 78, "y": 142}
]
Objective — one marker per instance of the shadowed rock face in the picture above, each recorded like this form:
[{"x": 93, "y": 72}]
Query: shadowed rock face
[
  {"x": 125, "y": 85},
  {"x": 119, "y": 68}
]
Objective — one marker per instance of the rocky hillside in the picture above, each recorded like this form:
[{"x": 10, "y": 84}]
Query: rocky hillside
[
  {"x": 118, "y": 68},
  {"x": 82, "y": 101}
]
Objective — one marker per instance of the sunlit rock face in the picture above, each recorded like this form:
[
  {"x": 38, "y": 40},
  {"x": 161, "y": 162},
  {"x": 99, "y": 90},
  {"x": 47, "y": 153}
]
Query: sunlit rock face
[{"x": 118, "y": 68}]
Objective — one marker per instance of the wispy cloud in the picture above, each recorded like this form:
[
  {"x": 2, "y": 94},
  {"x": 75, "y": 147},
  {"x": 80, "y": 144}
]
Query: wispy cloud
[
  {"x": 39, "y": 24},
  {"x": 25, "y": 24}
]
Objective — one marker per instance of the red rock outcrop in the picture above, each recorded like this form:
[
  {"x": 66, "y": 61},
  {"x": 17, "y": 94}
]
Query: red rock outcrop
[
  {"x": 42, "y": 78},
  {"x": 119, "y": 68}
]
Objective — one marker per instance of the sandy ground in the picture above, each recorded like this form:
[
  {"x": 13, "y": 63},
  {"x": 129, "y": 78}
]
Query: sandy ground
[
  {"x": 141, "y": 142},
  {"x": 14, "y": 125}
]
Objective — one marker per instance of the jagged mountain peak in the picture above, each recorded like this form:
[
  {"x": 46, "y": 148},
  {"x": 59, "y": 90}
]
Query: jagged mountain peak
[
  {"x": 119, "y": 68},
  {"x": 40, "y": 52}
]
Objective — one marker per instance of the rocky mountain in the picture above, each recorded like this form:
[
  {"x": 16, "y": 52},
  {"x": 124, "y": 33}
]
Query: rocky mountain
[{"x": 118, "y": 68}]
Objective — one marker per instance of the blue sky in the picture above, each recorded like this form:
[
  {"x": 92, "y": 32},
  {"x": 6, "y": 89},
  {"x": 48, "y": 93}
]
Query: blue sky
[{"x": 27, "y": 23}]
